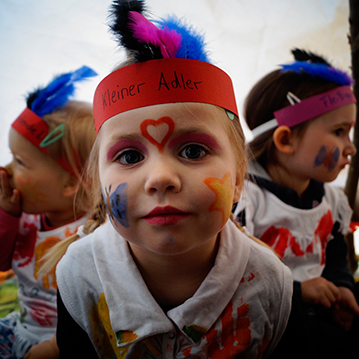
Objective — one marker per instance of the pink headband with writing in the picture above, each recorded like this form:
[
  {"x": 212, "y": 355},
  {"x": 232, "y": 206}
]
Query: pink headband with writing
[
  {"x": 35, "y": 130},
  {"x": 162, "y": 81},
  {"x": 307, "y": 109}
]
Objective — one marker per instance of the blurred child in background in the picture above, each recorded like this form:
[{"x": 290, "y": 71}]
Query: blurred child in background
[
  {"x": 301, "y": 116},
  {"x": 43, "y": 199}
]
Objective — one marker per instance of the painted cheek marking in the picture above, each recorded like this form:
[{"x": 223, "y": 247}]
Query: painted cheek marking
[
  {"x": 320, "y": 157},
  {"x": 327, "y": 158},
  {"x": 116, "y": 203},
  {"x": 159, "y": 129},
  {"x": 333, "y": 160},
  {"x": 223, "y": 189},
  {"x": 21, "y": 181},
  {"x": 203, "y": 138},
  {"x": 123, "y": 144}
]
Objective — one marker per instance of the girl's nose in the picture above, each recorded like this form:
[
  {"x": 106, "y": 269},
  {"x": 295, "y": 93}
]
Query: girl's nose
[
  {"x": 163, "y": 177},
  {"x": 350, "y": 149},
  {"x": 8, "y": 169}
]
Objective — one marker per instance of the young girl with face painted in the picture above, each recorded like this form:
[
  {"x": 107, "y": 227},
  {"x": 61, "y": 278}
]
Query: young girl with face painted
[
  {"x": 43, "y": 200},
  {"x": 301, "y": 116},
  {"x": 168, "y": 276}
]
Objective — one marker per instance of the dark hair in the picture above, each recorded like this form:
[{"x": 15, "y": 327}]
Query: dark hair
[{"x": 269, "y": 95}]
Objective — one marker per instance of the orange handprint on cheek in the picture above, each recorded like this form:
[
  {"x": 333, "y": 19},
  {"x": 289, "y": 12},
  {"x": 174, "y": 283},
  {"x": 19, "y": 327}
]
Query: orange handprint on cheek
[{"x": 161, "y": 127}]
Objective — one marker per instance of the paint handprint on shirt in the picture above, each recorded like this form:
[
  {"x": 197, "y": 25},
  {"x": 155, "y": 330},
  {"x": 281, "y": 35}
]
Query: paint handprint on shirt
[
  {"x": 280, "y": 238},
  {"x": 233, "y": 338},
  {"x": 25, "y": 244}
]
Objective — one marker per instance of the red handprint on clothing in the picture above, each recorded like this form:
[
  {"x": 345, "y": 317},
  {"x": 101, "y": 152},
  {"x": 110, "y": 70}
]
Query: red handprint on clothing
[
  {"x": 323, "y": 231},
  {"x": 42, "y": 313},
  {"x": 281, "y": 238},
  {"x": 25, "y": 244},
  {"x": 235, "y": 336}
]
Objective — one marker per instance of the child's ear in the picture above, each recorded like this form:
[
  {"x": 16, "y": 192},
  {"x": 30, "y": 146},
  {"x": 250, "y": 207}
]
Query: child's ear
[
  {"x": 283, "y": 140},
  {"x": 70, "y": 186},
  {"x": 238, "y": 186}
]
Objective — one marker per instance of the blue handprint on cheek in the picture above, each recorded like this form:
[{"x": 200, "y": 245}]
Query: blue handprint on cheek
[{"x": 116, "y": 203}]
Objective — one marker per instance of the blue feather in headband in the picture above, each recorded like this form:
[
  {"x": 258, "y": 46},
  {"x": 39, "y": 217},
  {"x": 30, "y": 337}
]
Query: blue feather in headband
[
  {"x": 58, "y": 92},
  {"x": 145, "y": 41},
  {"x": 316, "y": 66},
  {"x": 192, "y": 43}
]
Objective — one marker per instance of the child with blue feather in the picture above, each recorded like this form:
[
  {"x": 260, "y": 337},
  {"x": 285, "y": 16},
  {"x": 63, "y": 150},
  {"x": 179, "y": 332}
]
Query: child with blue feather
[
  {"x": 300, "y": 117},
  {"x": 169, "y": 275},
  {"x": 44, "y": 198}
]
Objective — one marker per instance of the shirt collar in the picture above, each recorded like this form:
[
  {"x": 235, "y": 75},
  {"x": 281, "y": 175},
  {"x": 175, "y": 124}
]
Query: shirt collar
[{"x": 132, "y": 309}]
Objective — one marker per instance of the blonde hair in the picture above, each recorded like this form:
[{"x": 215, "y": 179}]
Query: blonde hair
[
  {"x": 75, "y": 149},
  {"x": 75, "y": 145}
]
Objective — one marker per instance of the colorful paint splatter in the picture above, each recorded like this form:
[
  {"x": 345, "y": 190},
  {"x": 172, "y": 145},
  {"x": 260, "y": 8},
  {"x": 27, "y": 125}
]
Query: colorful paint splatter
[{"x": 103, "y": 335}]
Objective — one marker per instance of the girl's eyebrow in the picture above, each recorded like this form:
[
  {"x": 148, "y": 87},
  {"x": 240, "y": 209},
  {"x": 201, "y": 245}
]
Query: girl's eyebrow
[
  {"x": 124, "y": 142},
  {"x": 344, "y": 124},
  {"x": 201, "y": 137}
]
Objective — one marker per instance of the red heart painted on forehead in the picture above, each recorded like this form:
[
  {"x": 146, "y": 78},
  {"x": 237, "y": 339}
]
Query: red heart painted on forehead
[{"x": 161, "y": 121}]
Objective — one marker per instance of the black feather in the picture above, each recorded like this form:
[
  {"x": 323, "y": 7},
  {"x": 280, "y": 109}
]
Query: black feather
[
  {"x": 30, "y": 97},
  {"x": 120, "y": 27},
  {"x": 302, "y": 55}
]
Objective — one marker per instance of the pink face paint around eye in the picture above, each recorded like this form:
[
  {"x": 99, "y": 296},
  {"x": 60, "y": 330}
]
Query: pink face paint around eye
[
  {"x": 123, "y": 144},
  {"x": 203, "y": 138}
]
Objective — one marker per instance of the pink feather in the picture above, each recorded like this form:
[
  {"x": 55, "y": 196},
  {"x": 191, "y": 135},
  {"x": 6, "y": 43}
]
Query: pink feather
[{"x": 169, "y": 41}]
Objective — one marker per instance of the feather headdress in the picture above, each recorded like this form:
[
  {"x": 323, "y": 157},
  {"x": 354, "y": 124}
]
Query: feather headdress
[
  {"x": 57, "y": 93},
  {"x": 166, "y": 63},
  {"x": 145, "y": 40},
  {"x": 316, "y": 66}
]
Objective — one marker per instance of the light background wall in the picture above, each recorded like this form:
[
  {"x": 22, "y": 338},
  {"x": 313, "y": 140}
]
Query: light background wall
[{"x": 246, "y": 38}]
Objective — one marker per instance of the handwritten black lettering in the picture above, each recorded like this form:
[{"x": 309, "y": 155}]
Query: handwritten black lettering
[
  {"x": 177, "y": 81},
  {"x": 113, "y": 97},
  {"x": 163, "y": 82},
  {"x": 104, "y": 103},
  {"x": 110, "y": 97}
]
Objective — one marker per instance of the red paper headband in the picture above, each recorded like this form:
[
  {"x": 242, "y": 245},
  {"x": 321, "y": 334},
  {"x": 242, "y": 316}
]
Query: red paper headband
[
  {"x": 162, "y": 81},
  {"x": 35, "y": 130},
  {"x": 307, "y": 109}
]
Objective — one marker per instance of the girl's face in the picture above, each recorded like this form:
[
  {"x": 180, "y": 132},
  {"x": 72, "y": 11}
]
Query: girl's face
[
  {"x": 40, "y": 180},
  {"x": 324, "y": 149},
  {"x": 169, "y": 176}
]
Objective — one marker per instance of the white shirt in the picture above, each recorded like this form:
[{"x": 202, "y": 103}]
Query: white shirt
[
  {"x": 299, "y": 236},
  {"x": 242, "y": 306}
]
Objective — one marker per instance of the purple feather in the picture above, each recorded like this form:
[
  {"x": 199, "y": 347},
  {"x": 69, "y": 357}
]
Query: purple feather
[{"x": 169, "y": 41}]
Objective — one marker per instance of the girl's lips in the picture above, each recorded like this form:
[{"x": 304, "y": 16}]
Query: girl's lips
[{"x": 165, "y": 215}]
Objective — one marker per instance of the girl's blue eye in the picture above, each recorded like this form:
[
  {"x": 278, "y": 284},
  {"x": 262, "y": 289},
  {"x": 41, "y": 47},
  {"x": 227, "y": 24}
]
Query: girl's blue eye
[
  {"x": 130, "y": 157},
  {"x": 193, "y": 152}
]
